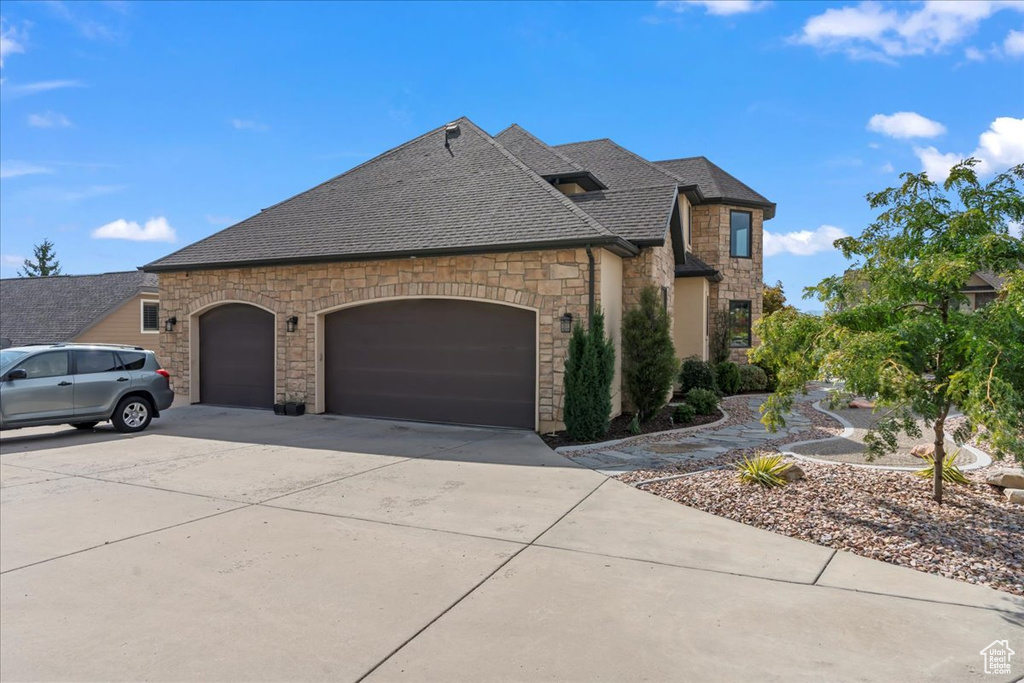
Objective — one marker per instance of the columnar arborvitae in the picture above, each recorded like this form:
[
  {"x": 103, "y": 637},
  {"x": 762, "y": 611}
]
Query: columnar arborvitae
[
  {"x": 589, "y": 371},
  {"x": 649, "y": 363}
]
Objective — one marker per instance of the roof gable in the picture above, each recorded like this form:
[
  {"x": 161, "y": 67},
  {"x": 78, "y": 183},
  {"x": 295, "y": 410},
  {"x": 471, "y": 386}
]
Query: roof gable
[
  {"x": 714, "y": 184},
  {"x": 638, "y": 214},
  {"x": 419, "y": 198},
  {"x": 616, "y": 166},
  {"x": 534, "y": 153},
  {"x": 58, "y": 308}
]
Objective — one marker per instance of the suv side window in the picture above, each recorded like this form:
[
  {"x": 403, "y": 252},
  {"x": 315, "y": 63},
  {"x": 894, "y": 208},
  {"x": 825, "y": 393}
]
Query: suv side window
[
  {"x": 51, "y": 364},
  {"x": 132, "y": 360},
  {"x": 88, "y": 362}
]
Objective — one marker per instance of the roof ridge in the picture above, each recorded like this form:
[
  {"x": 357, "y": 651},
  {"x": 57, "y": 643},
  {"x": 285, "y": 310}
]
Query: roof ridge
[
  {"x": 544, "y": 144},
  {"x": 62, "y": 275},
  {"x": 548, "y": 187},
  {"x": 673, "y": 176}
]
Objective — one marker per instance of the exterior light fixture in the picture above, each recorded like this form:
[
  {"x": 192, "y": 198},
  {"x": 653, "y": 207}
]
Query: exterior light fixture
[
  {"x": 291, "y": 322},
  {"x": 170, "y": 323},
  {"x": 566, "y": 321}
]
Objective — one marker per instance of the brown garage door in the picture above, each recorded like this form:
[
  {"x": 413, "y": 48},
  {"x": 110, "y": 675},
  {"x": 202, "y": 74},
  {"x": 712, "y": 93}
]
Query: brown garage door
[
  {"x": 236, "y": 356},
  {"x": 435, "y": 360}
]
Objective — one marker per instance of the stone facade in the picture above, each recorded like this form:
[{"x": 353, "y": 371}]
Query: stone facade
[
  {"x": 551, "y": 282},
  {"x": 653, "y": 266},
  {"x": 741, "y": 277}
]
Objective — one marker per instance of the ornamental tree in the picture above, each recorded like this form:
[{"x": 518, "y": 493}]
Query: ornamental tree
[
  {"x": 897, "y": 328},
  {"x": 589, "y": 371},
  {"x": 649, "y": 363}
]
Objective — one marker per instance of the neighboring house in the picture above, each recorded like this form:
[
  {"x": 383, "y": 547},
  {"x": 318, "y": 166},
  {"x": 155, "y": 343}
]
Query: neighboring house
[
  {"x": 435, "y": 282},
  {"x": 113, "y": 308},
  {"x": 982, "y": 289}
]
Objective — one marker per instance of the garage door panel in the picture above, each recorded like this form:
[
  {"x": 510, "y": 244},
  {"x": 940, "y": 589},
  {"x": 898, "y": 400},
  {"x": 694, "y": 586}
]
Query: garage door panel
[
  {"x": 439, "y": 360},
  {"x": 236, "y": 356}
]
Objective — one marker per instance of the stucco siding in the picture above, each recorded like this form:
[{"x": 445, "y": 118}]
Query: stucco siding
[
  {"x": 611, "y": 304},
  {"x": 689, "y": 320}
]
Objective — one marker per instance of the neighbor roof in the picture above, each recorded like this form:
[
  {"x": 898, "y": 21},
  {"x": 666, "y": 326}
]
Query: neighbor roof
[
  {"x": 417, "y": 199},
  {"x": 39, "y": 310},
  {"x": 714, "y": 184}
]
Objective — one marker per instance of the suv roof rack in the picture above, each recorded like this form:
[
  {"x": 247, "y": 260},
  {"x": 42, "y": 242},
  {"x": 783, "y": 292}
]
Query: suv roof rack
[{"x": 113, "y": 346}]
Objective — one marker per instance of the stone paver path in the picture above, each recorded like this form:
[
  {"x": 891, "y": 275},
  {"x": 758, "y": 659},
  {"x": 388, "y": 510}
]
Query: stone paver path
[{"x": 665, "y": 450}]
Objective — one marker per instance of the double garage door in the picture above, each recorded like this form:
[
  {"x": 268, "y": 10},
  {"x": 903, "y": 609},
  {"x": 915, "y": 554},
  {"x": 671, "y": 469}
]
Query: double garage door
[{"x": 434, "y": 360}]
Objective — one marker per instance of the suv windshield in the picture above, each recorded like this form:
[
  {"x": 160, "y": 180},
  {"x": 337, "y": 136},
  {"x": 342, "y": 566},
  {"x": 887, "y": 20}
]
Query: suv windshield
[{"x": 9, "y": 357}]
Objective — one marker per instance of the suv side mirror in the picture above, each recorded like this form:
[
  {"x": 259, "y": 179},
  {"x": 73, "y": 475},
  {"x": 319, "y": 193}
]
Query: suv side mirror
[{"x": 17, "y": 374}]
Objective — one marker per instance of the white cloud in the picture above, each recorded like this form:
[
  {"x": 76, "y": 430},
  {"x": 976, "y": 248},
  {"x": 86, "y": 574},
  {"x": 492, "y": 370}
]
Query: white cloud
[
  {"x": 999, "y": 148},
  {"x": 887, "y": 167},
  {"x": 90, "y": 28},
  {"x": 720, "y": 8},
  {"x": 973, "y": 54},
  {"x": 12, "y": 41},
  {"x": 154, "y": 230},
  {"x": 24, "y": 89},
  {"x": 802, "y": 242},
  {"x": 1014, "y": 44},
  {"x": 871, "y": 31},
  {"x": 249, "y": 124},
  {"x": 905, "y": 124},
  {"x": 11, "y": 261},
  {"x": 50, "y": 119},
  {"x": 14, "y": 169}
]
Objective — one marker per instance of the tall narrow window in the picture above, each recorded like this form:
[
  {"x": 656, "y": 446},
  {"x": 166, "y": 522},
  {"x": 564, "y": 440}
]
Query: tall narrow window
[
  {"x": 740, "y": 234},
  {"x": 739, "y": 324},
  {"x": 150, "y": 316}
]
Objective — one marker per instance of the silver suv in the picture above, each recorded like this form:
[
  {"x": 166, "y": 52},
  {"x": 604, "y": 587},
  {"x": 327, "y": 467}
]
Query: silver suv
[{"x": 82, "y": 385}]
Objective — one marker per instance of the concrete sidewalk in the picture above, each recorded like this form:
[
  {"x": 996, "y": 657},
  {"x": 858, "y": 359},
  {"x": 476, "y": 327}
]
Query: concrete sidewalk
[{"x": 228, "y": 545}]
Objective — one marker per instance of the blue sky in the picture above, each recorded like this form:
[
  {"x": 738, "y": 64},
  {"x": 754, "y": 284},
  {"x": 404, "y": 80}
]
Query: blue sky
[{"x": 129, "y": 130}]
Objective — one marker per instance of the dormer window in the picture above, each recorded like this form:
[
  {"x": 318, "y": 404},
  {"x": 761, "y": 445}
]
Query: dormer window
[{"x": 740, "y": 234}]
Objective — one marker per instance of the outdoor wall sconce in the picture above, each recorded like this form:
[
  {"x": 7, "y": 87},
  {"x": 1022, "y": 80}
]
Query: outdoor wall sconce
[
  {"x": 566, "y": 321},
  {"x": 170, "y": 323},
  {"x": 291, "y": 323}
]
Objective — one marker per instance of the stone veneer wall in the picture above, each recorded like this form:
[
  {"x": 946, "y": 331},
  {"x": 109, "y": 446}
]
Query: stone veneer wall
[
  {"x": 553, "y": 282},
  {"x": 742, "y": 278},
  {"x": 654, "y": 265}
]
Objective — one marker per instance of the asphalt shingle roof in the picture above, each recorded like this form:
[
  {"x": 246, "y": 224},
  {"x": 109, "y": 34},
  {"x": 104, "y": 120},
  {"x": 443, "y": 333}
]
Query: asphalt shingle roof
[
  {"x": 418, "y": 198},
  {"x": 714, "y": 183},
  {"x": 534, "y": 153},
  {"x": 616, "y": 166},
  {"x": 39, "y": 310},
  {"x": 638, "y": 214}
]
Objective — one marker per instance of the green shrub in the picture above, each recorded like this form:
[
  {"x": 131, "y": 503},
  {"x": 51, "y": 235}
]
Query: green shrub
[
  {"x": 727, "y": 377},
  {"x": 753, "y": 378},
  {"x": 683, "y": 414},
  {"x": 696, "y": 374},
  {"x": 950, "y": 472},
  {"x": 765, "y": 469},
  {"x": 589, "y": 371},
  {"x": 649, "y": 363},
  {"x": 704, "y": 401}
]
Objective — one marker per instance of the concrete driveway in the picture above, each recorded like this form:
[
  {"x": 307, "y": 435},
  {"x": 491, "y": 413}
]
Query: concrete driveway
[{"x": 230, "y": 545}]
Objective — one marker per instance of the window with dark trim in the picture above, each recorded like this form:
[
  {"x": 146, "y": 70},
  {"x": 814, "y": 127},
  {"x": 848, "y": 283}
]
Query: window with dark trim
[
  {"x": 739, "y": 324},
  {"x": 150, "y": 316},
  {"x": 740, "y": 233}
]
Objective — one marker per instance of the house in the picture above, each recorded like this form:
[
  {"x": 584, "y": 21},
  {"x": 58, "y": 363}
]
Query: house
[
  {"x": 982, "y": 289},
  {"x": 438, "y": 281},
  {"x": 114, "y": 308}
]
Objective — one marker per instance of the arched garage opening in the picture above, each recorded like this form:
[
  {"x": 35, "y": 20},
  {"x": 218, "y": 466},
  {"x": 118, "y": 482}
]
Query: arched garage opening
[
  {"x": 434, "y": 360},
  {"x": 236, "y": 356}
]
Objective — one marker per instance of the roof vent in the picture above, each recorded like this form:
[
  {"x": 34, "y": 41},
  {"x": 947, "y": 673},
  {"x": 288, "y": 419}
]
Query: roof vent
[{"x": 451, "y": 131}]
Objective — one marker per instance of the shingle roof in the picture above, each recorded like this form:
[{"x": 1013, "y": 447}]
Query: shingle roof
[
  {"x": 616, "y": 166},
  {"x": 38, "y": 310},
  {"x": 714, "y": 183},
  {"x": 418, "y": 198},
  {"x": 534, "y": 153},
  {"x": 990, "y": 278},
  {"x": 638, "y": 214},
  {"x": 694, "y": 267}
]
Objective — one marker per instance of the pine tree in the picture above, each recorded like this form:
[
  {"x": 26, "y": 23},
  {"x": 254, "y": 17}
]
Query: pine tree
[
  {"x": 649, "y": 362},
  {"x": 45, "y": 263},
  {"x": 589, "y": 372}
]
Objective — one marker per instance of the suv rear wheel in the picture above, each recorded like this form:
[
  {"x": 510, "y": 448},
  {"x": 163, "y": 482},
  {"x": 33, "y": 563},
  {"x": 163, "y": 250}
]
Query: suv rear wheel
[
  {"x": 133, "y": 414},
  {"x": 84, "y": 425}
]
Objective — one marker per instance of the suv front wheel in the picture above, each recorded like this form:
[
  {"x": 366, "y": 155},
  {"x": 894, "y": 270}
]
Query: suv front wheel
[{"x": 133, "y": 414}]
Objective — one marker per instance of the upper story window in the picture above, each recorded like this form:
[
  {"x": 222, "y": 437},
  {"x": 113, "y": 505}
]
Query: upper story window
[
  {"x": 150, "y": 316},
  {"x": 740, "y": 234}
]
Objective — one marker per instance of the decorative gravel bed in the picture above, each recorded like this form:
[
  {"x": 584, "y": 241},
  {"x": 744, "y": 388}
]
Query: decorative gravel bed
[{"x": 975, "y": 536}]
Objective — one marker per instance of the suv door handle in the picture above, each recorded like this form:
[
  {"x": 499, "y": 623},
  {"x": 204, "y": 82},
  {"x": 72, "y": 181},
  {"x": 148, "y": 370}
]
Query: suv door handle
[
  {"x": 63, "y": 384},
  {"x": 122, "y": 379}
]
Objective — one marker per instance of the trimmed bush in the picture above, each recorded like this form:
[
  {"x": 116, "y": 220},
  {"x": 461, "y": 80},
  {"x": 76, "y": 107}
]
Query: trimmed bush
[
  {"x": 696, "y": 374},
  {"x": 727, "y": 377},
  {"x": 649, "y": 363},
  {"x": 683, "y": 414},
  {"x": 589, "y": 371},
  {"x": 704, "y": 401},
  {"x": 753, "y": 378}
]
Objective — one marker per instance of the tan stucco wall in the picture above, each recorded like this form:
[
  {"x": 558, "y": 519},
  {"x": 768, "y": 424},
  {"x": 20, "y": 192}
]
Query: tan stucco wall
[
  {"x": 551, "y": 282},
  {"x": 123, "y": 326},
  {"x": 742, "y": 278},
  {"x": 689, "y": 320},
  {"x": 684, "y": 221},
  {"x": 610, "y": 300}
]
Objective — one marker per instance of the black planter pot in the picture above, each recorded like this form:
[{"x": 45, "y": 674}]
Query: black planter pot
[
  {"x": 278, "y": 409},
  {"x": 294, "y": 409}
]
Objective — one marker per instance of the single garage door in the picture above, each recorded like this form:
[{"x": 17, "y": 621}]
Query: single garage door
[
  {"x": 435, "y": 360},
  {"x": 236, "y": 356}
]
